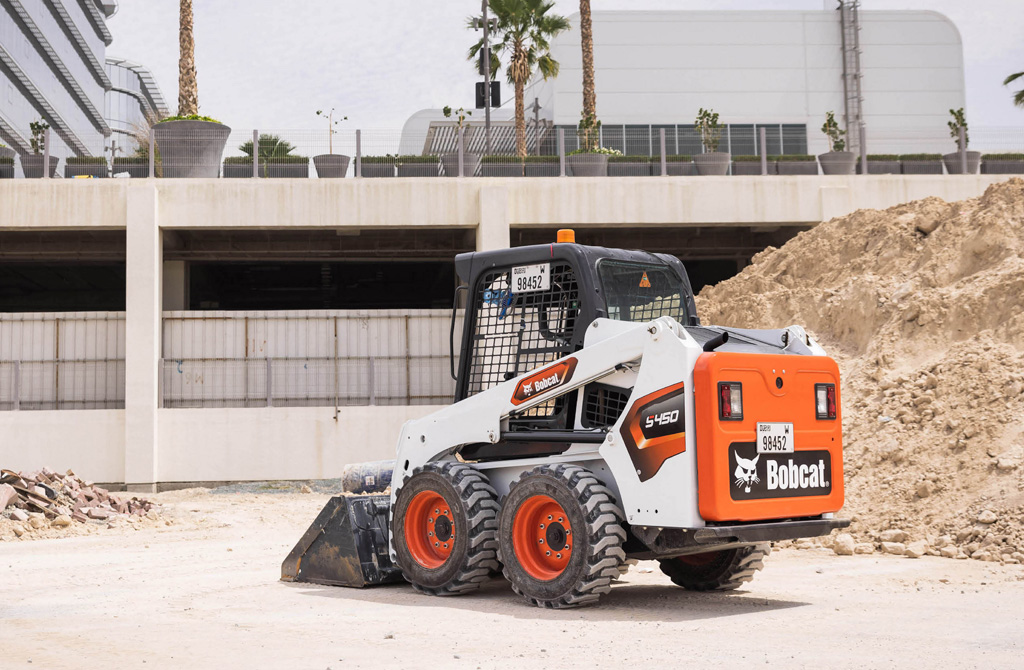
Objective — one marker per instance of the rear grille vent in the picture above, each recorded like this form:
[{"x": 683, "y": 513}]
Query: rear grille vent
[{"x": 603, "y": 405}]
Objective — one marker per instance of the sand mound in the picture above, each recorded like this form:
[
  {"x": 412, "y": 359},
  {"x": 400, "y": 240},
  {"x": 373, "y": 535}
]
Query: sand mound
[{"x": 923, "y": 306}]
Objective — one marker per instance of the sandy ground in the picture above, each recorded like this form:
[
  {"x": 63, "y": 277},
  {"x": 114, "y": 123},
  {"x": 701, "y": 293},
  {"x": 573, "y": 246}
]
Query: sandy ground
[{"x": 204, "y": 592}]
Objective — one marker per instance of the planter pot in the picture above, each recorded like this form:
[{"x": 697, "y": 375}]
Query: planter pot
[
  {"x": 630, "y": 170},
  {"x": 331, "y": 166},
  {"x": 32, "y": 165},
  {"x": 191, "y": 148},
  {"x": 511, "y": 169},
  {"x": 881, "y": 167},
  {"x": 97, "y": 171},
  {"x": 134, "y": 170},
  {"x": 921, "y": 167},
  {"x": 288, "y": 170},
  {"x": 1002, "y": 166},
  {"x": 542, "y": 169},
  {"x": 587, "y": 165},
  {"x": 377, "y": 170},
  {"x": 714, "y": 163},
  {"x": 470, "y": 164},
  {"x": 241, "y": 170},
  {"x": 748, "y": 168},
  {"x": 419, "y": 170},
  {"x": 678, "y": 169},
  {"x": 952, "y": 162},
  {"x": 798, "y": 167},
  {"x": 838, "y": 162}
]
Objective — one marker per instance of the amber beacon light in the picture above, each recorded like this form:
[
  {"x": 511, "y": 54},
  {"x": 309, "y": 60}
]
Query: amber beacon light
[{"x": 567, "y": 235}]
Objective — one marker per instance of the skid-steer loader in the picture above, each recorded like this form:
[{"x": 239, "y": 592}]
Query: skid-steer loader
[{"x": 596, "y": 421}]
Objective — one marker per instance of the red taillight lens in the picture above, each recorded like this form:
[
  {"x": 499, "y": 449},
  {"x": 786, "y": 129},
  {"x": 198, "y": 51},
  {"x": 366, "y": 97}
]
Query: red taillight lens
[
  {"x": 825, "y": 401},
  {"x": 730, "y": 401}
]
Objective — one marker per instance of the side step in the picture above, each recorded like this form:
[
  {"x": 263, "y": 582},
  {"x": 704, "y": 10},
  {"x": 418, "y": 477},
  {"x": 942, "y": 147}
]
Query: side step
[{"x": 347, "y": 545}]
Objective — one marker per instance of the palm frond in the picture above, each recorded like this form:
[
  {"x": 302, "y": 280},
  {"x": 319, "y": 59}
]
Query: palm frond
[{"x": 1012, "y": 78}]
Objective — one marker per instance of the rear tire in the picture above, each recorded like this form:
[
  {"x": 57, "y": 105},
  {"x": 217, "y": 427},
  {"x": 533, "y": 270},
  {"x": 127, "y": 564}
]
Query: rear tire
[
  {"x": 716, "y": 570},
  {"x": 444, "y": 528},
  {"x": 560, "y": 537}
]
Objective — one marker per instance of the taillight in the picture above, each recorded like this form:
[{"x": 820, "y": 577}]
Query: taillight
[
  {"x": 730, "y": 401},
  {"x": 825, "y": 401}
]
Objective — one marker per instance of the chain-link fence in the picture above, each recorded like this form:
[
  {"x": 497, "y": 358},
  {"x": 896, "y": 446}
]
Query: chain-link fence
[{"x": 539, "y": 149}]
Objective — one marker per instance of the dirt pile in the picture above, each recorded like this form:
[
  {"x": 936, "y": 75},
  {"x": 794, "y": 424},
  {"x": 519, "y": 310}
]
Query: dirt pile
[
  {"x": 49, "y": 504},
  {"x": 923, "y": 306}
]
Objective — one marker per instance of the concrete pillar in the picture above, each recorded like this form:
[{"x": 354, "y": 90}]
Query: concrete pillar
[
  {"x": 493, "y": 230},
  {"x": 143, "y": 298},
  {"x": 175, "y": 286}
]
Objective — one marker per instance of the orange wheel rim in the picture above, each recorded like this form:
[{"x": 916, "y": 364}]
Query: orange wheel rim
[
  {"x": 429, "y": 529},
  {"x": 542, "y": 537}
]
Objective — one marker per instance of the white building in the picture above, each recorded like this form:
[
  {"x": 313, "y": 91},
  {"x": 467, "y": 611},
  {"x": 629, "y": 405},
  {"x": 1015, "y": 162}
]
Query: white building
[{"x": 779, "y": 69}]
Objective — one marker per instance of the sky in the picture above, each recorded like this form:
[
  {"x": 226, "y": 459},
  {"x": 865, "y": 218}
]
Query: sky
[{"x": 272, "y": 63}]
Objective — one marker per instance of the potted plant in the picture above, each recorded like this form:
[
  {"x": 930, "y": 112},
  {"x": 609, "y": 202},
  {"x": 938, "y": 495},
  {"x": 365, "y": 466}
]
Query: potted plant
[
  {"x": 190, "y": 145},
  {"x": 712, "y": 161},
  {"x": 378, "y": 166},
  {"x": 240, "y": 167},
  {"x": 680, "y": 165},
  {"x": 751, "y": 165},
  {"x": 1002, "y": 164},
  {"x": 418, "y": 166},
  {"x": 630, "y": 166},
  {"x": 501, "y": 166},
  {"x": 275, "y": 158},
  {"x": 91, "y": 166},
  {"x": 542, "y": 166},
  {"x": 837, "y": 160},
  {"x": 796, "y": 164},
  {"x": 136, "y": 165},
  {"x": 32, "y": 164},
  {"x": 882, "y": 164},
  {"x": 450, "y": 160},
  {"x": 952, "y": 161},
  {"x": 921, "y": 163},
  {"x": 331, "y": 165},
  {"x": 591, "y": 159}
]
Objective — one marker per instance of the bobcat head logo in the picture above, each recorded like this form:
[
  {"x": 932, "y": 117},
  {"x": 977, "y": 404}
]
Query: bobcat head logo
[{"x": 746, "y": 472}]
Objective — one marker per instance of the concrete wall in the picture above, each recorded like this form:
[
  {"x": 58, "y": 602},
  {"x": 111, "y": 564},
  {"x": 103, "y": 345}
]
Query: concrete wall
[{"x": 90, "y": 442}]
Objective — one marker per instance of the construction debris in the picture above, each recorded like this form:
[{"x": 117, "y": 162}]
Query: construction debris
[{"x": 46, "y": 499}]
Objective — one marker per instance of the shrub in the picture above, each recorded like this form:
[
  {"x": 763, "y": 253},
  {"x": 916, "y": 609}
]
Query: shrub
[
  {"x": 386, "y": 158},
  {"x": 747, "y": 159},
  {"x": 920, "y": 157},
  {"x": 632, "y": 159},
  {"x": 1003, "y": 157},
  {"x": 883, "y": 157},
  {"x": 85, "y": 160},
  {"x": 413, "y": 158},
  {"x": 189, "y": 117},
  {"x": 793, "y": 158}
]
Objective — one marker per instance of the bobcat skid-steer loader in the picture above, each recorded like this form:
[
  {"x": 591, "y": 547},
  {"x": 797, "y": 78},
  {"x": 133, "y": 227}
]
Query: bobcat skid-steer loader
[{"x": 596, "y": 420}]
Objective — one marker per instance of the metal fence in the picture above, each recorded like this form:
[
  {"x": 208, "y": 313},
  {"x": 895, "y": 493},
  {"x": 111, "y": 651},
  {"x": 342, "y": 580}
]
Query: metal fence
[
  {"x": 445, "y": 149},
  {"x": 299, "y": 358},
  {"x": 62, "y": 361}
]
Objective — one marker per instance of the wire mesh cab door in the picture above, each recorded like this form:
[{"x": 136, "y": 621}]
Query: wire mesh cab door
[{"x": 526, "y": 308}]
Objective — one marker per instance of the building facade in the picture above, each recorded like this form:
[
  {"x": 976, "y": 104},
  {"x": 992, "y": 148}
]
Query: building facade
[
  {"x": 53, "y": 67},
  {"x": 134, "y": 102}
]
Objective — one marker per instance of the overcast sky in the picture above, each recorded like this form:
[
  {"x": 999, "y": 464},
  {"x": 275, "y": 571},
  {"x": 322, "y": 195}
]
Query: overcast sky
[{"x": 272, "y": 64}]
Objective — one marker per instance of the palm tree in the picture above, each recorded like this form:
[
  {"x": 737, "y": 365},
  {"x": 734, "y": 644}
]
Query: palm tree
[
  {"x": 1018, "y": 97},
  {"x": 523, "y": 30},
  {"x": 271, "y": 146},
  {"x": 188, "y": 87},
  {"x": 587, "y": 41}
]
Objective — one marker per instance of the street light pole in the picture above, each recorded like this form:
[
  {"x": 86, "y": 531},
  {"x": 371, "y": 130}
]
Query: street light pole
[{"x": 487, "y": 77}]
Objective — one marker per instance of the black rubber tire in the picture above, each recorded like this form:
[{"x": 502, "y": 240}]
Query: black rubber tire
[
  {"x": 474, "y": 505},
  {"x": 592, "y": 513},
  {"x": 725, "y": 570}
]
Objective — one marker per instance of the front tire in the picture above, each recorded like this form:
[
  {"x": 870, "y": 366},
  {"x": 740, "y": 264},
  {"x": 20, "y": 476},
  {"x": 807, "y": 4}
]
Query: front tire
[
  {"x": 560, "y": 537},
  {"x": 723, "y": 570},
  {"x": 444, "y": 528}
]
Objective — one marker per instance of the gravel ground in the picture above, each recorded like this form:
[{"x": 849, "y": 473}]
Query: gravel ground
[{"x": 202, "y": 589}]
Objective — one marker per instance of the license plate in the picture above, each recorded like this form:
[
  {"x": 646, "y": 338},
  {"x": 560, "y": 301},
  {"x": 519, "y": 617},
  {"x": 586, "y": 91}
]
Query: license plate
[
  {"x": 529, "y": 278},
  {"x": 774, "y": 438}
]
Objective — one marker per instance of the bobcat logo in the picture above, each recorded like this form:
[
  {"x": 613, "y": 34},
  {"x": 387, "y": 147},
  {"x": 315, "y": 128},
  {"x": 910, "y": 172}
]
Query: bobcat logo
[{"x": 746, "y": 472}]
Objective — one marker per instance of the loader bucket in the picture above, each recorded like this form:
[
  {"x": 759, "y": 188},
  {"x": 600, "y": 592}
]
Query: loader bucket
[{"x": 347, "y": 545}]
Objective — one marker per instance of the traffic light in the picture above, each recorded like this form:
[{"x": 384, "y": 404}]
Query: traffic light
[{"x": 495, "y": 94}]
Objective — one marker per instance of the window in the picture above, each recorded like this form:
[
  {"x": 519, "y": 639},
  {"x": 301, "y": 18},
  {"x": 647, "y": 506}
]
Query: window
[{"x": 637, "y": 292}]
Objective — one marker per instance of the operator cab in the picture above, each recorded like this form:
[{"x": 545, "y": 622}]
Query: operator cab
[{"x": 530, "y": 306}]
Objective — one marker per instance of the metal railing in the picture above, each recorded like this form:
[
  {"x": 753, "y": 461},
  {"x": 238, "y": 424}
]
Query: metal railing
[
  {"x": 443, "y": 149},
  {"x": 43, "y": 385}
]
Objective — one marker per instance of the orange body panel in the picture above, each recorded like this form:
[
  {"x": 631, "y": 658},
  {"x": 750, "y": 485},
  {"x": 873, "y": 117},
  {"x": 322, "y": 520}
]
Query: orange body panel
[{"x": 734, "y": 481}]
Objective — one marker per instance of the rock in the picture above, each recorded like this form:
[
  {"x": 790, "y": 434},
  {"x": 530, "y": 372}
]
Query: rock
[
  {"x": 949, "y": 551},
  {"x": 894, "y": 535},
  {"x": 980, "y": 555},
  {"x": 19, "y": 515},
  {"x": 8, "y": 496},
  {"x": 18, "y": 529},
  {"x": 894, "y": 548},
  {"x": 1006, "y": 465},
  {"x": 864, "y": 548},
  {"x": 97, "y": 513},
  {"x": 924, "y": 489},
  {"x": 62, "y": 521},
  {"x": 843, "y": 545},
  {"x": 152, "y": 516},
  {"x": 988, "y": 516},
  {"x": 305, "y": 489},
  {"x": 37, "y": 521},
  {"x": 916, "y": 549}
]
